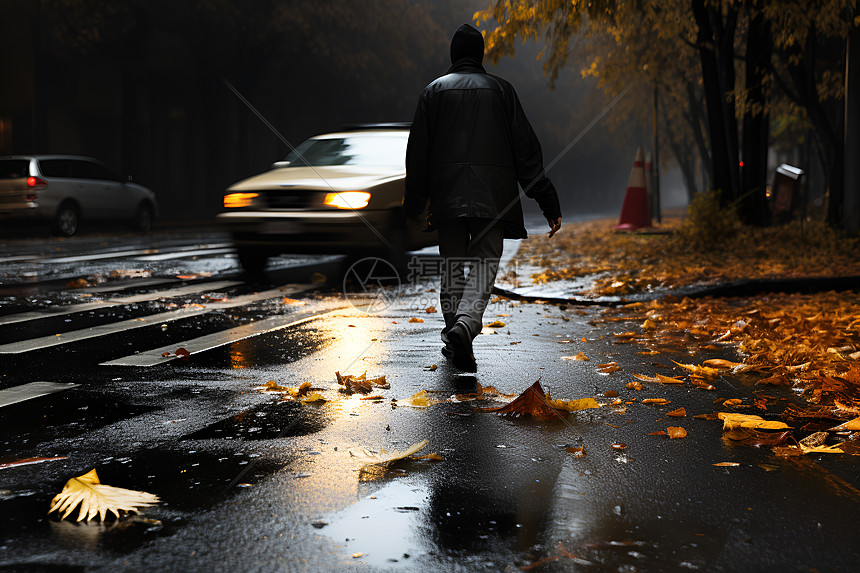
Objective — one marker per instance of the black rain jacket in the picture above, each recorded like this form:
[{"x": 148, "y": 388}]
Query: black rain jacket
[{"x": 469, "y": 147}]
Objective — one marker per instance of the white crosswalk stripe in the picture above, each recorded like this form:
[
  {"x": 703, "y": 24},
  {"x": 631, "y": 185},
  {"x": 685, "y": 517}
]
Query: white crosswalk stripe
[
  {"x": 31, "y": 390},
  {"x": 30, "y": 345},
  {"x": 86, "y": 306},
  {"x": 165, "y": 354}
]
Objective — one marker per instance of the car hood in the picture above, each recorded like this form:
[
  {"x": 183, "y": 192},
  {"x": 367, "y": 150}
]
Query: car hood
[{"x": 336, "y": 178}]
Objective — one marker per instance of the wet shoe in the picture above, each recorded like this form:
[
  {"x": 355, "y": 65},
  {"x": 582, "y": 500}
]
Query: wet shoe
[{"x": 461, "y": 345}]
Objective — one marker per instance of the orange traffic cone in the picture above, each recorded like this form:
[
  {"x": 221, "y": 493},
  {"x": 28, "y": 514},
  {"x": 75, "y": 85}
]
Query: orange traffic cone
[{"x": 635, "y": 212}]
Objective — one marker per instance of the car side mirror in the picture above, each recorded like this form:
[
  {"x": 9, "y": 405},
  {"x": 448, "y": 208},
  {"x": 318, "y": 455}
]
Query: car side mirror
[{"x": 280, "y": 164}]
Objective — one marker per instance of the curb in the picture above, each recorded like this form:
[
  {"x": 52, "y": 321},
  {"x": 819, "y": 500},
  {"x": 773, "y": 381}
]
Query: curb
[{"x": 742, "y": 287}]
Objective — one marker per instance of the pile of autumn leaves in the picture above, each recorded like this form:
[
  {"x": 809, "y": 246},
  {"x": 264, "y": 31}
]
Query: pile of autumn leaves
[
  {"x": 674, "y": 255},
  {"x": 809, "y": 342}
]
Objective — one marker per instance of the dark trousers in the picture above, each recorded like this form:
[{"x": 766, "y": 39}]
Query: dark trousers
[{"x": 470, "y": 250}]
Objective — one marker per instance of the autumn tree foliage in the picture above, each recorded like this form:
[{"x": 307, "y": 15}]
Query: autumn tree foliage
[{"x": 724, "y": 69}]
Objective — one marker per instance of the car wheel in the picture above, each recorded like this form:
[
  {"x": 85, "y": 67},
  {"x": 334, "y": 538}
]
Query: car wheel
[
  {"x": 252, "y": 259},
  {"x": 66, "y": 220},
  {"x": 143, "y": 218}
]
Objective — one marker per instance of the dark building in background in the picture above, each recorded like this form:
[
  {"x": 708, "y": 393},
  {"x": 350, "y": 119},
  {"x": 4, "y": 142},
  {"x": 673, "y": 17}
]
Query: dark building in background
[{"x": 141, "y": 85}]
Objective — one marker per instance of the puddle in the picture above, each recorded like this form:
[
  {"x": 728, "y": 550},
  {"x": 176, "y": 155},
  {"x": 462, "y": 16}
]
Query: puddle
[
  {"x": 265, "y": 422},
  {"x": 384, "y": 527}
]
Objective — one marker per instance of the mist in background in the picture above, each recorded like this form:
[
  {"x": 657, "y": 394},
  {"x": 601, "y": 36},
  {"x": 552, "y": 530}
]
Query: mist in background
[{"x": 143, "y": 86}]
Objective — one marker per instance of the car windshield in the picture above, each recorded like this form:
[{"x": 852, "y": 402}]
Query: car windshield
[
  {"x": 14, "y": 168},
  {"x": 366, "y": 150}
]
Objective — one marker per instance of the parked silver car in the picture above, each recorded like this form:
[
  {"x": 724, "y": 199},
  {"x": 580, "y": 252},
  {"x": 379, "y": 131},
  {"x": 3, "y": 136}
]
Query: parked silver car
[
  {"x": 67, "y": 189},
  {"x": 338, "y": 193}
]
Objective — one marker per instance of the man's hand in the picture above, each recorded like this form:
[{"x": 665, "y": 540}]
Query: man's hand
[{"x": 554, "y": 226}]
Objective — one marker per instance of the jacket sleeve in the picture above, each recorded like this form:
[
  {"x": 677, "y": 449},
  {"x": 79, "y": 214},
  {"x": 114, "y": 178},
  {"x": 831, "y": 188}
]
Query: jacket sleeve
[
  {"x": 417, "y": 163},
  {"x": 528, "y": 158}
]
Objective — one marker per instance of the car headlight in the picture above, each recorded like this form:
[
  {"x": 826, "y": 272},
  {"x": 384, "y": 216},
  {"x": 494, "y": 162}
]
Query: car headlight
[
  {"x": 348, "y": 199},
  {"x": 236, "y": 200}
]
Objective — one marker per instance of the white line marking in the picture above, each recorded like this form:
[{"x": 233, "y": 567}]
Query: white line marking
[
  {"x": 157, "y": 356},
  {"x": 83, "y": 307},
  {"x": 130, "y": 253},
  {"x": 31, "y": 390},
  {"x": 96, "y": 331},
  {"x": 137, "y": 283},
  {"x": 169, "y": 256},
  {"x": 96, "y": 256},
  {"x": 131, "y": 324},
  {"x": 16, "y": 258}
]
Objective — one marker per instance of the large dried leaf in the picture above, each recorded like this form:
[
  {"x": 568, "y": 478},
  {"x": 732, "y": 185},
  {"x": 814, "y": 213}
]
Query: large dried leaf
[
  {"x": 676, "y": 432},
  {"x": 752, "y": 437},
  {"x": 420, "y": 399},
  {"x": 705, "y": 372},
  {"x": 733, "y": 420},
  {"x": 658, "y": 378},
  {"x": 384, "y": 458},
  {"x": 608, "y": 368},
  {"x": 96, "y": 498},
  {"x": 852, "y": 425},
  {"x": 532, "y": 402},
  {"x": 360, "y": 384},
  {"x": 573, "y": 405}
]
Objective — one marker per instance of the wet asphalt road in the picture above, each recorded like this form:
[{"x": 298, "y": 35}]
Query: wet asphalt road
[{"x": 249, "y": 482}]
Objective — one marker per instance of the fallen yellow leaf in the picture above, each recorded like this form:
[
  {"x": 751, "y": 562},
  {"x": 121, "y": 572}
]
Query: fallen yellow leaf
[
  {"x": 726, "y": 464},
  {"x": 418, "y": 400},
  {"x": 704, "y": 371},
  {"x": 496, "y": 324},
  {"x": 573, "y": 405},
  {"x": 658, "y": 378},
  {"x": 679, "y": 413},
  {"x": 577, "y": 452},
  {"x": 384, "y": 458},
  {"x": 676, "y": 432},
  {"x": 733, "y": 420},
  {"x": 580, "y": 356},
  {"x": 608, "y": 368},
  {"x": 413, "y": 319},
  {"x": 853, "y": 425},
  {"x": 96, "y": 498}
]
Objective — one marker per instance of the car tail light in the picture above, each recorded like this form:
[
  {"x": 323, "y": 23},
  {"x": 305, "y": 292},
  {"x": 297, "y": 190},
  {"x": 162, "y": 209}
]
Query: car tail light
[
  {"x": 237, "y": 200},
  {"x": 36, "y": 183},
  {"x": 348, "y": 199}
]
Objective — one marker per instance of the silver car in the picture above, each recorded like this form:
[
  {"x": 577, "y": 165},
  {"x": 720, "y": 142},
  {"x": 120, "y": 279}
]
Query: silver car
[
  {"x": 67, "y": 189},
  {"x": 337, "y": 193}
]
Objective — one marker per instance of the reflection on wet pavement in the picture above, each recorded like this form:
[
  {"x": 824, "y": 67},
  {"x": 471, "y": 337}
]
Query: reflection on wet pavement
[{"x": 268, "y": 421}]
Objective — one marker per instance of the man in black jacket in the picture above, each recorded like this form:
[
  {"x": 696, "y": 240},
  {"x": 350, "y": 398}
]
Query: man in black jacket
[{"x": 469, "y": 147}]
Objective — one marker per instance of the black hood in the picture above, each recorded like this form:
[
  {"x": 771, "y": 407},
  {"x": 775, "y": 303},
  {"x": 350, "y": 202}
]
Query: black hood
[{"x": 467, "y": 43}]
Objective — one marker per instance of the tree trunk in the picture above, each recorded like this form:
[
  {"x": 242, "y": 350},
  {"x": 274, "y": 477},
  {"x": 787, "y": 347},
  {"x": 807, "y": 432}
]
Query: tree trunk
[
  {"x": 724, "y": 37},
  {"x": 755, "y": 124},
  {"x": 851, "y": 217},
  {"x": 696, "y": 118},
  {"x": 720, "y": 159}
]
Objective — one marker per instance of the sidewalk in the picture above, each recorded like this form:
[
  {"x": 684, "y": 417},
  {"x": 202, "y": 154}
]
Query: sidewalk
[
  {"x": 787, "y": 299},
  {"x": 590, "y": 262}
]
